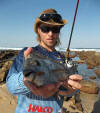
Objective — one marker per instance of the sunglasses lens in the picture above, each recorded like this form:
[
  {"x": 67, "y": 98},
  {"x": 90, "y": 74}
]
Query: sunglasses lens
[
  {"x": 55, "y": 29},
  {"x": 55, "y": 17},
  {"x": 45, "y": 17},
  {"x": 46, "y": 29}
]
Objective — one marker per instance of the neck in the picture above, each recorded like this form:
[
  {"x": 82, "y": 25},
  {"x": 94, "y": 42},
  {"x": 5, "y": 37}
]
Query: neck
[{"x": 49, "y": 48}]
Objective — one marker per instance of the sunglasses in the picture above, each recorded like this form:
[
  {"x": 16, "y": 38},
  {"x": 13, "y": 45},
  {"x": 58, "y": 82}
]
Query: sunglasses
[
  {"x": 46, "y": 29},
  {"x": 56, "y": 17}
]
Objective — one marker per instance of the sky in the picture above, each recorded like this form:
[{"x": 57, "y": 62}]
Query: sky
[{"x": 17, "y": 18}]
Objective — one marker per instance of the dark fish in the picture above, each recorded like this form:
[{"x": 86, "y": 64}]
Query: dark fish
[{"x": 42, "y": 70}]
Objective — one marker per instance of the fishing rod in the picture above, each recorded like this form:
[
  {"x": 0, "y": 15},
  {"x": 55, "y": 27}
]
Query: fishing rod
[{"x": 67, "y": 52}]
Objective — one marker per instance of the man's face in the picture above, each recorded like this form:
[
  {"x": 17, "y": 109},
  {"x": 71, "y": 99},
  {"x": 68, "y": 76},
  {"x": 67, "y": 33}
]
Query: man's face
[{"x": 49, "y": 35}]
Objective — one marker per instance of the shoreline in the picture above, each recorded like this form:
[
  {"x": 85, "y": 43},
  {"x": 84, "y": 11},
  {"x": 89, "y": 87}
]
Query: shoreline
[{"x": 59, "y": 49}]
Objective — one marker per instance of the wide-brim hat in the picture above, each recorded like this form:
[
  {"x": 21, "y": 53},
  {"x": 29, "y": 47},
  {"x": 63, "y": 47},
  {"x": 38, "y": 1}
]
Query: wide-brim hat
[{"x": 51, "y": 21}]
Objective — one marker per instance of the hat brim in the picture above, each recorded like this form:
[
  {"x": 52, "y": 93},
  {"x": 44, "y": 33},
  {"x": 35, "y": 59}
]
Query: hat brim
[{"x": 48, "y": 22}]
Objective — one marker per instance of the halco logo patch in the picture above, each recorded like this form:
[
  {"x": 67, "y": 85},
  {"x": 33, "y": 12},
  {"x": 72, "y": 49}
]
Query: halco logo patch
[{"x": 36, "y": 108}]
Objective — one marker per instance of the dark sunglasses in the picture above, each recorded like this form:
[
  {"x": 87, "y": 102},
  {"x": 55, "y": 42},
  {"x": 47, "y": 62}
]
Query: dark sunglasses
[
  {"x": 56, "y": 17},
  {"x": 46, "y": 29}
]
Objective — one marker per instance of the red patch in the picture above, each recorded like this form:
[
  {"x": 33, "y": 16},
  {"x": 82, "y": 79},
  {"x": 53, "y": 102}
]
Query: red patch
[{"x": 36, "y": 108}]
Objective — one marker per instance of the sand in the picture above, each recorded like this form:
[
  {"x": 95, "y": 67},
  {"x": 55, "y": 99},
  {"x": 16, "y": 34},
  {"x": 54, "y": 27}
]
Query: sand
[{"x": 7, "y": 101}]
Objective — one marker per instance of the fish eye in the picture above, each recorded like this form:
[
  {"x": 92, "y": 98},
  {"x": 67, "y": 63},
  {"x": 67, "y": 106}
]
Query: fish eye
[{"x": 36, "y": 62}]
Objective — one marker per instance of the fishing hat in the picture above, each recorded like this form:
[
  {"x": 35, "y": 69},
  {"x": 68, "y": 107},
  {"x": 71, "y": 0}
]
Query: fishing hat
[{"x": 49, "y": 16}]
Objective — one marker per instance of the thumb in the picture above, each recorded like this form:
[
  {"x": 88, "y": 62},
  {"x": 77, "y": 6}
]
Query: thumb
[{"x": 28, "y": 51}]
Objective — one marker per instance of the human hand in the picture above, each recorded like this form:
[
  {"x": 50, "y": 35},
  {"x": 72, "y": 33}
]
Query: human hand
[
  {"x": 71, "y": 84},
  {"x": 74, "y": 81},
  {"x": 27, "y": 51},
  {"x": 44, "y": 91}
]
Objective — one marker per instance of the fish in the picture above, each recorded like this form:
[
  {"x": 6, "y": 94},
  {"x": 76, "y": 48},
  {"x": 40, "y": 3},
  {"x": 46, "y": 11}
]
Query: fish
[{"x": 42, "y": 70}]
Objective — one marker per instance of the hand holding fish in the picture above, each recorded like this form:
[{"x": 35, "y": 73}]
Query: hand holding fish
[
  {"x": 48, "y": 90},
  {"x": 45, "y": 91},
  {"x": 74, "y": 81},
  {"x": 44, "y": 76},
  {"x": 71, "y": 84}
]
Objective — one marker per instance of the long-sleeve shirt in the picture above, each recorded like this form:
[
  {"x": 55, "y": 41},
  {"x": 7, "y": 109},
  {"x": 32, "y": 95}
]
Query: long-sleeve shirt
[{"x": 27, "y": 101}]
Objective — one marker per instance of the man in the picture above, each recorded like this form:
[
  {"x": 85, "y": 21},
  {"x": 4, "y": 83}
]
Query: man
[{"x": 41, "y": 99}]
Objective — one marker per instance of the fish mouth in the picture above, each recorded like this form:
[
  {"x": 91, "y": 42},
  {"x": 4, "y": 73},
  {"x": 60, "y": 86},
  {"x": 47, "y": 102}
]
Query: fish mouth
[{"x": 28, "y": 72}]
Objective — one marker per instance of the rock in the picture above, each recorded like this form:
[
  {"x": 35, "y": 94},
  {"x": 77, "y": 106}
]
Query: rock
[
  {"x": 97, "y": 54},
  {"x": 79, "y": 106},
  {"x": 92, "y": 77},
  {"x": 7, "y": 65},
  {"x": 88, "y": 101},
  {"x": 73, "y": 104},
  {"x": 72, "y": 54},
  {"x": 91, "y": 58},
  {"x": 6, "y": 60},
  {"x": 8, "y": 54},
  {"x": 90, "y": 66},
  {"x": 69, "y": 107},
  {"x": 97, "y": 71},
  {"x": 78, "y": 102},
  {"x": 81, "y": 61},
  {"x": 89, "y": 87},
  {"x": 2, "y": 75},
  {"x": 90, "y": 63},
  {"x": 82, "y": 55},
  {"x": 4, "y": 70}
]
